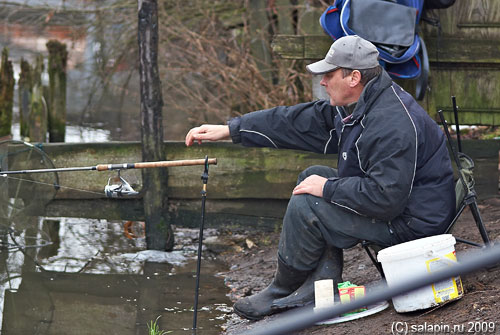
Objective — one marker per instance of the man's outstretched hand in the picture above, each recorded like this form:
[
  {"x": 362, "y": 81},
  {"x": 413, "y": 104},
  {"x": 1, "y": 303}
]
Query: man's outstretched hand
[
  {"x": 207, "y": 132},
  {"x": 311, "y": 185}
]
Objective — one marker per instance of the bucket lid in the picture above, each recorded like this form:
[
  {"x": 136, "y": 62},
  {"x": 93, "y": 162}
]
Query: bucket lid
[{"x": 415, "y": 248}]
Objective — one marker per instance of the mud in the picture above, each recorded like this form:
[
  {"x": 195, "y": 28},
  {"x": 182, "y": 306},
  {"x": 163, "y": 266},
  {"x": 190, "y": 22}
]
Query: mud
[{"x": 252, "y": 257}]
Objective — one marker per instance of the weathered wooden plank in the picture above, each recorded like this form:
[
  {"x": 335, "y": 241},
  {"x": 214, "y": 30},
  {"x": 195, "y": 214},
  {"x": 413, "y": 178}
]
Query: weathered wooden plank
[
  {"x": 473, "y": 116},
  {"x": 478, "y": 96},
  {"x": 291, "y": 46},
  {"x": 463, "y": 50},
  {"x": 248, "y": 187},
  {"x": 288, "y": 46},
  {"x": 262, "y": 214},
  {"x": 236, "y": 175},
  {"x": 449, "y": 49},
  {"x": 316, "y": 47},
  {"x": 457, "y": 73},
  {"x": 469, "y": 19}
]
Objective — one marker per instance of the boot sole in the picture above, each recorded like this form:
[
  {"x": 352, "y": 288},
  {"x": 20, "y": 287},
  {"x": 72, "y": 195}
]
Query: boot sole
[
  {"x": 246, "y": 316},
  {"x": 281, "y": 308}
]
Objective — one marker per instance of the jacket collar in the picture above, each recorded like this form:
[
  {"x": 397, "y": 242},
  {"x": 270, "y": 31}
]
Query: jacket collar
[{"x": 370, "y": 93}]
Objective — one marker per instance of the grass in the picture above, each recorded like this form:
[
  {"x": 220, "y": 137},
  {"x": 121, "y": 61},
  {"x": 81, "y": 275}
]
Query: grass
[{"x": 154, "y": 329}]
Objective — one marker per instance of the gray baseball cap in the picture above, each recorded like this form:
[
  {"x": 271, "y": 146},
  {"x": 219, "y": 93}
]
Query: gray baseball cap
[{"x": 351, "y": 52}]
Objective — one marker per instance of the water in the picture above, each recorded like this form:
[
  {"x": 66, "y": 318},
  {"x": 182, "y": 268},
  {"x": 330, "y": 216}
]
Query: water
[
  {"x": 74, "y": 134},
  {"x": 96, "y": 97},
  {"x": 86, "y": 276},
  {"x": 82, "y": 276}
]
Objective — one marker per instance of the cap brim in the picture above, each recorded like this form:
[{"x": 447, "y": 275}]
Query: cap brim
[{"x": 321, "y": 67}]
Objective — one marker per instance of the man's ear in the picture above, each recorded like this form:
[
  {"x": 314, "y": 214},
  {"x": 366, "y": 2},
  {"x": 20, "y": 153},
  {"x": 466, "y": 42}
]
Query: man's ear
[{"x": 355, "y": 78}]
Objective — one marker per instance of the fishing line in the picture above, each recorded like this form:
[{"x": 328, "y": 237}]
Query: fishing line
[{"x": 57, "y": 186}]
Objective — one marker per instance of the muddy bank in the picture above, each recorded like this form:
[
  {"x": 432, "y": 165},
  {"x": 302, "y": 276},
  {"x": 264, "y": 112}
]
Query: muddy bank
[{"x": 251, "y": 260}]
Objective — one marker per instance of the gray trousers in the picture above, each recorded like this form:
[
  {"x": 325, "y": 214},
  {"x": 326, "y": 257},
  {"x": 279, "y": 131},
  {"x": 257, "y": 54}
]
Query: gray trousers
[{"x": 311, "y": 224}]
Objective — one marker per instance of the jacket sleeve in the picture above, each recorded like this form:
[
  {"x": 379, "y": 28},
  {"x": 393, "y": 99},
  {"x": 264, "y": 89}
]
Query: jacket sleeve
[
  {"x": 387, "y": 155},
  {"x": 307, "y": 126}
]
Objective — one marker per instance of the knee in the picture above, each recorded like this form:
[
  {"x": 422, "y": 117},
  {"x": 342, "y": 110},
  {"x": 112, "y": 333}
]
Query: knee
[
  {"x": 299, "y": 211},
  {"x": 315, "y": 169},
  {"x": 297, "y": 203}
]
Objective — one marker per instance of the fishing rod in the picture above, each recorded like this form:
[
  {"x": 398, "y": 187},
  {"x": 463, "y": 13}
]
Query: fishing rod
[
  {"x": 123, "y": 188},
  {"x": 121, "y": 166}
]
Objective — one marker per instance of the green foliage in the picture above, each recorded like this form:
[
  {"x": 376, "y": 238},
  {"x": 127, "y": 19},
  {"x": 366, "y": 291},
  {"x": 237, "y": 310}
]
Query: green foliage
[{"x": 154, "y": 329}]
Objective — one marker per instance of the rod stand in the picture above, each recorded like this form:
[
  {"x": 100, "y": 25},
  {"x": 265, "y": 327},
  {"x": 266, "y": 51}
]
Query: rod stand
[{"x": 204, "y": 178}]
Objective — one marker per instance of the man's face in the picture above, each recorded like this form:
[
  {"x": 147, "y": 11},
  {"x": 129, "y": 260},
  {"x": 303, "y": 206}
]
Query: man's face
[{"x": 338, "y": 88}]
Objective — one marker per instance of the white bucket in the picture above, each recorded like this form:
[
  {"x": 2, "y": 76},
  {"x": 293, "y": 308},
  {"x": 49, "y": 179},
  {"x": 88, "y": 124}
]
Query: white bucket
[{"x": 404, "y": 261}]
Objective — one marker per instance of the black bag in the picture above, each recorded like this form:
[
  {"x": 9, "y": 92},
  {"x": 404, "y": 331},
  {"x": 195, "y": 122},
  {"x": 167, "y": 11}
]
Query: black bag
[{"x": 438, "y": 4}]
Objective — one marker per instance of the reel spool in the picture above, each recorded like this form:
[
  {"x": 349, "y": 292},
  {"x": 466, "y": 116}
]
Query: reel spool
[{"x": 120, "y": 189}]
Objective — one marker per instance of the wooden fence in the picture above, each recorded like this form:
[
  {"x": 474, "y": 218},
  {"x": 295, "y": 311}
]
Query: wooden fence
[
  {"x": 464, "y": 58},
  {"x": 249, "y": 187}
]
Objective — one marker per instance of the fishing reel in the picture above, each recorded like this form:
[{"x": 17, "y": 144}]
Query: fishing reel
[{"x": 119, "y": 190}]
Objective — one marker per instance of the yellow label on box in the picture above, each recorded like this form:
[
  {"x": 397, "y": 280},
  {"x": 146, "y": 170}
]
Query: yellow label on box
[{"x": 447, "y": 289}]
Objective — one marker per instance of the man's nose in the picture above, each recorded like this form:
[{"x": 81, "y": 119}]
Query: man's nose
[{"x": 323, "y": 81}]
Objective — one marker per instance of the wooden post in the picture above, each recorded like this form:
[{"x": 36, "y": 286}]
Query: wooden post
[
  {"x": 308, "y": 24},
  {"x": 58, "y": 56},
  {"x": 51, "y": 229},
  {"x": 159, "y": 235},
  {"x": 259, "y": 30},
  {"x": 38, "y": 117},
  {"x": 25, "y": 87},
  {"x": 6, "y": 94}
]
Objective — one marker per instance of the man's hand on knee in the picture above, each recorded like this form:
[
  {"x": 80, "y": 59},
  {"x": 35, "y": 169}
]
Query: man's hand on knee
[{"x": 311, "y": 185}]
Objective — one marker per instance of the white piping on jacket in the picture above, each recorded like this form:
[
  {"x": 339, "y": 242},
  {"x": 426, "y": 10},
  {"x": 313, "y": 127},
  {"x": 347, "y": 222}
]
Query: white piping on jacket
[
  {"x": 359, "y": 162},
  {"x": 328, "y": 142},
  {"x": 256, "y": 132},
  {"x": 339, "y": 114},
  {"x": 416, "y": 139},
  {"x": 349, "y": 208},
  {"x": 356, "y": 144}
]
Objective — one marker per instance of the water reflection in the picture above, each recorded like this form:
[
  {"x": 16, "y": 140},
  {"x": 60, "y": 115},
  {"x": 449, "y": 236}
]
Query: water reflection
[
  {"x": 93, "y": 280},
  {"x": 74, "y": 134}
]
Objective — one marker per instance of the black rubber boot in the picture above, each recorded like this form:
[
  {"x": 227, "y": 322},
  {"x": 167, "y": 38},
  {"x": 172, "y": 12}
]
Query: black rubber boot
[
  {"x": 286, "y": 280},
  {"x": 329, "y": 267}
]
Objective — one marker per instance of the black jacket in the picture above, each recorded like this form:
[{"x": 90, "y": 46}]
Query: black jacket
[{"x": 393, "y": 163}]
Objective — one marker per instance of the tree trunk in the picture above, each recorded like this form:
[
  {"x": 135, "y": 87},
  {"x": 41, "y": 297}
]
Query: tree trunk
[
  {"x": 58, "y": 56},
  {"x": 159, "y": 234},
  {"x": 6, "y": 94}
]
